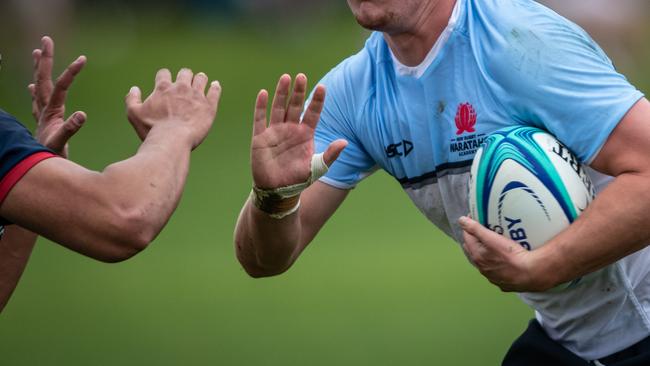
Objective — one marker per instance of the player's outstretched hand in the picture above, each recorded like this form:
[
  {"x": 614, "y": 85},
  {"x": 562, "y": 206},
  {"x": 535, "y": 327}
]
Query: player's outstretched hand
[
  {"x": 281, "y": 151},
  {"x": 48, "y": 99},
  {"x": 183, "y": 103}
]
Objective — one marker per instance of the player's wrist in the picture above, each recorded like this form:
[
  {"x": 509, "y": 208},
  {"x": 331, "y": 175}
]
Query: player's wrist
[
  {"x": 281, "y": 202},
  {"x": 173, "y": 130},
  {"x": 546, "y": 267},
  {"x": 275, "y": 204}
]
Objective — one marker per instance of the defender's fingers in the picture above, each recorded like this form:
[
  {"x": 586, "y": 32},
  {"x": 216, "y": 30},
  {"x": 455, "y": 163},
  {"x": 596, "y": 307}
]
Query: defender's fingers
[
  {"x": 312, "y": 114},
  {"x": 279, "y": 106},
  {"x": 200, "y": 82},
  {"x": 133, "y": 98},
  {"x": 43, "y": 63},
  {"x": 297, "y": 101},
  {"x": 184, "y": 76},
  {"x": 46, "y": 62},
  {"x": 333, "y": 151},
  {"x": 163, "y": 78},
  {"x": 214, "y": 94},
  {"x": 67, "y": 130},
  {"x": 259, "y": 118},
  {"x": 64, "y": 82},
  {"x": 36, "y": 110}
]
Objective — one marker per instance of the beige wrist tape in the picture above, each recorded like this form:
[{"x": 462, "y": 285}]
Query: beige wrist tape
[{"x": 284, "y": 201}]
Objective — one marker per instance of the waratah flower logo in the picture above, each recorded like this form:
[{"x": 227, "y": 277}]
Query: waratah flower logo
[{"x": 465, "y": 119}]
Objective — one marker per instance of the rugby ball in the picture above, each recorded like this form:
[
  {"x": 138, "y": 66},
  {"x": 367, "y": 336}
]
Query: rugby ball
[{"x": 526, "y": 185}]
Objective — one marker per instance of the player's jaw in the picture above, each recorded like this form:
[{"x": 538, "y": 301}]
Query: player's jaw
[{"x": 390, "y": 16}]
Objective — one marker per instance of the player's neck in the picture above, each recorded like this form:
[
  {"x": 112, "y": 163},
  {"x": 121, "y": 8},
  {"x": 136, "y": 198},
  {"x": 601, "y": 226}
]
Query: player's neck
[{"x": 411, "y": 46}]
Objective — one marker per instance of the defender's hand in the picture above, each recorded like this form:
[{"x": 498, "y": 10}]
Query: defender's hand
[
  {"x": 182, "y": 103},
  {"x": 501, "y": 260},
  {"x": 48, "y": 100},
  {"x": 281, "y": 152}
]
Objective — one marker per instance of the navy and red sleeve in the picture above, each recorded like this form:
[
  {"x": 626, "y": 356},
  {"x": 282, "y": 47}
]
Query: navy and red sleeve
[{"x": 19, "y": 152}]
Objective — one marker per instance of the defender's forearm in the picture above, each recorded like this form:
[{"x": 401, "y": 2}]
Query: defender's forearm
[
  {"x": 615, "y": 225},
  {"x": 152, "y": 180},
  {"x": 15, "y": 249}
]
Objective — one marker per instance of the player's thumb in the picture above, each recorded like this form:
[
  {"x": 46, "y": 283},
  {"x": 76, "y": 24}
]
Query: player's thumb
[
  {"x": 333, "y": 151},
  {"x": 477, "y": 230},
  {"x": 133, "y": 98},
  {"x": 470, "y": 226},
  {"x": 67, "y": 130}
]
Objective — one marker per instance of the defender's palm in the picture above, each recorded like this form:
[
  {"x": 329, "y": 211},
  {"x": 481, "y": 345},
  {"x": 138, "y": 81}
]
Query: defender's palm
[{"x": 281, "y": 152}]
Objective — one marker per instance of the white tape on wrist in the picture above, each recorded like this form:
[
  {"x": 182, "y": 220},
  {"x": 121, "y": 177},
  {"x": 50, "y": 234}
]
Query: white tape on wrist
[{"x": 268, "y": 200}]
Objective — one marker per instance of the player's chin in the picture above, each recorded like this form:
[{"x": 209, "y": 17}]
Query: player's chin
[{"x": 371, "y": 16}]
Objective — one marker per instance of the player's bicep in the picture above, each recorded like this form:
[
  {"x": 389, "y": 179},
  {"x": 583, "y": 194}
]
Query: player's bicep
[
  {"x": 627, "y": 149},
  {"x": 56, "y": 198}
]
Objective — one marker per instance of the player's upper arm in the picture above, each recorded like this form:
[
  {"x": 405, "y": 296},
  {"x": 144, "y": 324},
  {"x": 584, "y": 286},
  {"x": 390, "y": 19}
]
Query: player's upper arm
[
  {"x": 627, "y": 150},
  {"x": 73, "y": 206},
  {"x": 349, "y": 86}
]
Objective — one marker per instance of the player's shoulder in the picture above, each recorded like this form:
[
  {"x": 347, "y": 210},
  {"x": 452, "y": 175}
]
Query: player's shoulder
[
  {"x": 501, "y": 15},
  {"x": 516, "y": 40},
  {"x": 352, "y": 80}
]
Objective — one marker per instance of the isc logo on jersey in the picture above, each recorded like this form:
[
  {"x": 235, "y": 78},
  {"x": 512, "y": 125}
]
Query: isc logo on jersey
[{"x": 527, "y": 186}]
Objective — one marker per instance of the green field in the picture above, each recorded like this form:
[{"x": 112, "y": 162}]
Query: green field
[{"x": 379, "y": 285}]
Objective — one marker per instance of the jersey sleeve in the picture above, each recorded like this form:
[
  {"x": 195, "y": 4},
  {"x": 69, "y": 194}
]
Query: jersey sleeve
[
  {"x": 19, "y": 152},
  {"x": 551, "y": 74},
  {"x": 338, "y": 122}
]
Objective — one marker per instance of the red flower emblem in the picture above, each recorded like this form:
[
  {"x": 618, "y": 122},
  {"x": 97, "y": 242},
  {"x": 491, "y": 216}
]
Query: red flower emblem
[{"x": 465, "y": 119}]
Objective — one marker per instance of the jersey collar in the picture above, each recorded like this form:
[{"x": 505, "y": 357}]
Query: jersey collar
[{"x": 419, "y": 70}]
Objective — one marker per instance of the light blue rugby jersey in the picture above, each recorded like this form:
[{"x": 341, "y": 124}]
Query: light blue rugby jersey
[{"x": 498, "y": 63}]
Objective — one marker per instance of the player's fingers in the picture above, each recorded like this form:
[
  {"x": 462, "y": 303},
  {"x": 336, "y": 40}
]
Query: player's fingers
[
  {"x": 333, "y": 151},
  {"x": 312, "y": 114},
  {"x": 200, "y": 82},
  {"x": 297, "y": 101},
  {"x": 36, "y": 110},
  {"x": 36, "y": 56},
  {"x": 67, "y": 130},
  {"x": 184, "y": 76},
  {"x": 45, "y": 65},
  {"x": 163, "y": 79},
  {"x": 279, "y": 106},
  {"x": 133, "y": 98},
  {"x": 259, "y": 118},
  {"x": 483, "y": 234},
  {"x": 64, "y": 82},
  {"x": 214, "y": 94}
]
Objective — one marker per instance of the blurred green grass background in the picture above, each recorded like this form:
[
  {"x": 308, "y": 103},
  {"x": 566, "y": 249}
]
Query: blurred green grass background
[{"x": 379, "y": 286}]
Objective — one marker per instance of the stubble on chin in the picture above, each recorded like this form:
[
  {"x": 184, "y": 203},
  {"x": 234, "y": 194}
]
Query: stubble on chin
[{"x": 376, "y": 20}]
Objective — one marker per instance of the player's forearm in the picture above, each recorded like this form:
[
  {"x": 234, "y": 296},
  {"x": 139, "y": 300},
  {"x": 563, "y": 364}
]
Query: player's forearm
[
  {"x": 266, "y": 246},
  {"x": 615, "y": 225},
  {"x": 150, "y": 184},
  {"x": 15, "y": 248}
]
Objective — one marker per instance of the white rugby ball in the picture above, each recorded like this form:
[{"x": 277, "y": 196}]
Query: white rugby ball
[{"x": 527, "y": 186}]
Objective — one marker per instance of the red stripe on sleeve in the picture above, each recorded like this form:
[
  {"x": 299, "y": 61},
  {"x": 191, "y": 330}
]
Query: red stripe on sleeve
[{"x": 15, "y": 174}]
